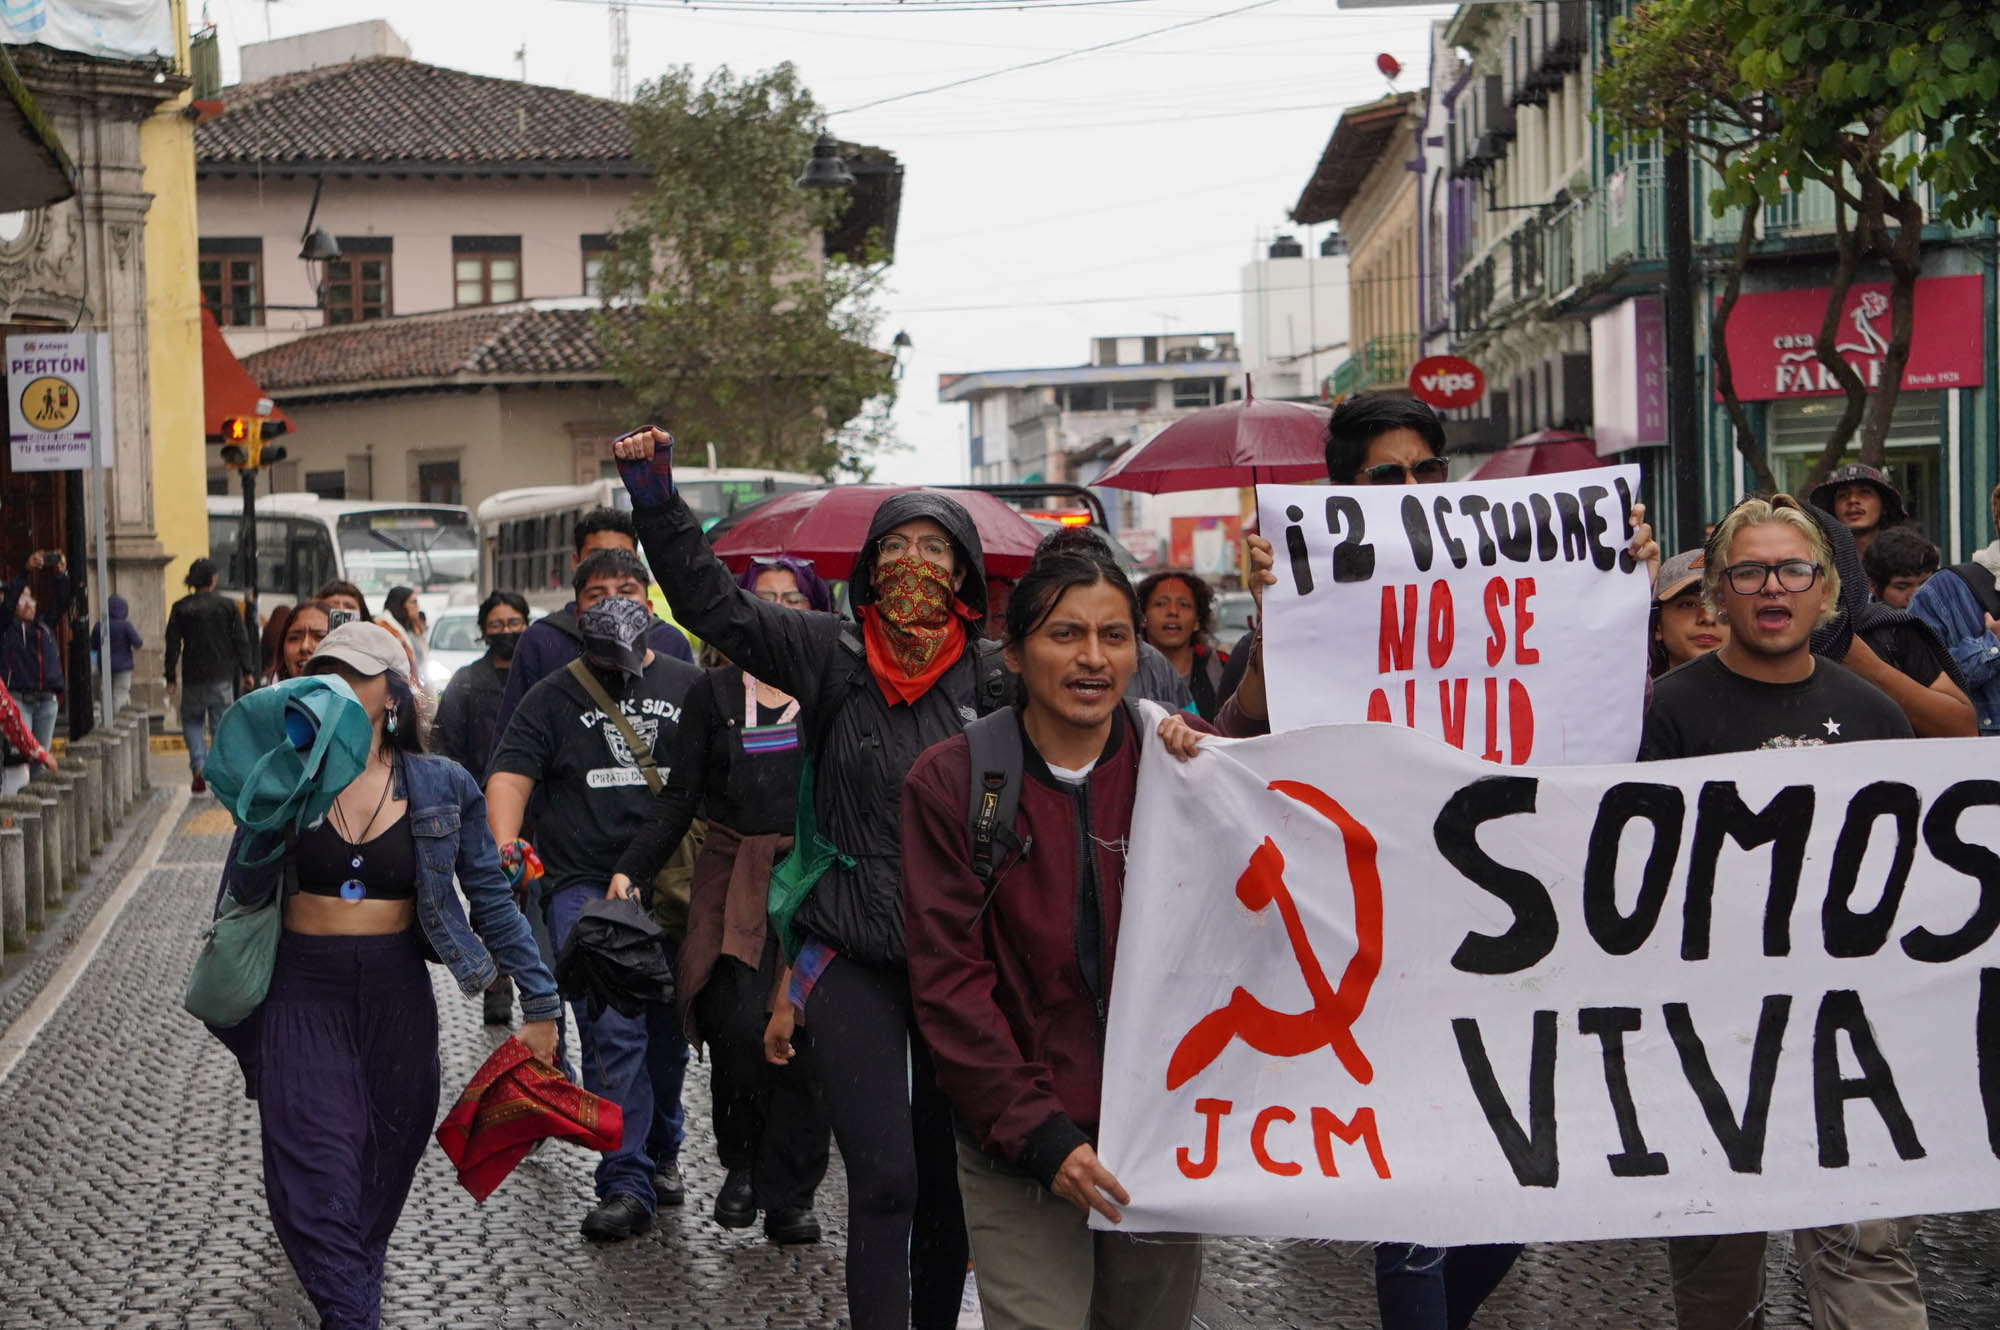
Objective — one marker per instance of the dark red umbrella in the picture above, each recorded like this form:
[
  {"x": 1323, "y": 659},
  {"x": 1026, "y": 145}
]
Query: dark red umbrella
[
  {"x": 1539, "y": 454},
  {"x": 829, "y": 525},
  {"x": 1251, "y": 442}
]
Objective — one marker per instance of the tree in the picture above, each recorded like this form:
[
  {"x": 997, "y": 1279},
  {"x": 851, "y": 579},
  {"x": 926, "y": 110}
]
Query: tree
[
  {"x": 1670, "y": 78},
  {"x": 723, "y": 317},
  {"x": 1887, "y": 105}
]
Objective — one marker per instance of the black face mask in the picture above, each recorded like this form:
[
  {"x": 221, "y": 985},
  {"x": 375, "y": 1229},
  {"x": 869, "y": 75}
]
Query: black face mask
[{"x": 502, "y": 645}]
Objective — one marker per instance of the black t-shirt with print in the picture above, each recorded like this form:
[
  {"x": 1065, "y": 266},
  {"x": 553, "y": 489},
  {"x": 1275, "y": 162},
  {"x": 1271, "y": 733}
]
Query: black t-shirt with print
[
  {"x": 593, "y": 796},
  {"x": 1704, "y": 707}
]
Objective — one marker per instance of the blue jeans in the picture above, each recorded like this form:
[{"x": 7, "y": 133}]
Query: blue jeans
[
  {"x": 38, "y": 710},
  {"x": 1437, "y": 1288},
  {"x": 615, "y": 1067},
  {"x": 667, "y": 1056},
  {"x": 202, "y": 706}
]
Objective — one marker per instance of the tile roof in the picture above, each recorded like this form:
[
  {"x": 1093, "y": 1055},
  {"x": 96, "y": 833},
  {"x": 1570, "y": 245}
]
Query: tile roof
[
  {"x": 500, "y": 344},
  {"x": 387, "y": 110}
]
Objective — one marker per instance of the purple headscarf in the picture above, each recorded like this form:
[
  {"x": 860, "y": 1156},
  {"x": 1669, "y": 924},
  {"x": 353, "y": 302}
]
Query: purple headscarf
[{"x": 817, "y": 592}]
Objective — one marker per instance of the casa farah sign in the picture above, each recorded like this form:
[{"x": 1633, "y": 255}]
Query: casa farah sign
[{"x": 1771, "y": 336}]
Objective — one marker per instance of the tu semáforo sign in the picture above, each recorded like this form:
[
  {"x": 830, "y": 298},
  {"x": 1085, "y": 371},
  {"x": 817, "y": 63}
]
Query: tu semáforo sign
[
  {"x": 1504, "y": 617},
  {"x": 1370, "y": 988}
]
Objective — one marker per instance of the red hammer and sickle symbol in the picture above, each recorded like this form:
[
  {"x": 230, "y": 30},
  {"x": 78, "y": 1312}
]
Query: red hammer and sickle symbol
[{"x": 1330, "y": 1021}]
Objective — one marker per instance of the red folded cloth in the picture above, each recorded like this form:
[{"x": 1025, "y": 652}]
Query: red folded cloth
[{"x": 513, "y": 1102}]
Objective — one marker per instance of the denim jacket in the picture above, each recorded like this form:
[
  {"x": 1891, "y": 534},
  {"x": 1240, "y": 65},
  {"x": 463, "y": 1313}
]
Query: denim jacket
[
  {"x": 448, "y": 821},
  {"x": 1947, "y": 604}
]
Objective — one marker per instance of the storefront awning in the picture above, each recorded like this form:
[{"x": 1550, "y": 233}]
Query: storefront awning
[
  {"x": 34, "y": 169},
  {"x": 226, "y": 387}
]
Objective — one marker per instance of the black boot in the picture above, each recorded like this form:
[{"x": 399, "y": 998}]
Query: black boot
[
  {"x": 736, "y": 1204},
  {"x": 791, "y": 1227}
]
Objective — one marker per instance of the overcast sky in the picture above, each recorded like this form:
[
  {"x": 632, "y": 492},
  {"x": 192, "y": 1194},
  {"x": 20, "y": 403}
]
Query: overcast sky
[{"x": 1113, "y": 192}]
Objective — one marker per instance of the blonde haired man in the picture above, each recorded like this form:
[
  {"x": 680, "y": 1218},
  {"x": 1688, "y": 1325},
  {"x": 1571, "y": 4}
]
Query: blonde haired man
[{"x": 1770, "y": 576}]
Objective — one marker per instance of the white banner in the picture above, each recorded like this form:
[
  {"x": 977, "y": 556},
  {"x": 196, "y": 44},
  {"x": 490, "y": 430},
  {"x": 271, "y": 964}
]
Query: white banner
[
  {"x": 1503, "y": 616},
  {"x": 113, "y": 29},
  {"x": 1370, "y": 988}
]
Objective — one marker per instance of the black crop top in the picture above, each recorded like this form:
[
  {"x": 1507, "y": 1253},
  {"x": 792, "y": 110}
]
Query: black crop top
[{"x": 388, "y": 870}]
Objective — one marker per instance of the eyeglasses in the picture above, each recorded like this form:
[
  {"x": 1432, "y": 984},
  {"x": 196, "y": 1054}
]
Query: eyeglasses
[
  {"x": 1427, "y": 472},
  {"x": 1747, "y": 579},
  {"x": 503, "y": 626},
  {"x": 935, "y": 548},
  {"x": 791, "y": 600}
]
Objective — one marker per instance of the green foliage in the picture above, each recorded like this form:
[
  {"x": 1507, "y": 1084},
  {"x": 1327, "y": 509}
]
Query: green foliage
[{"x": 722, "y": 318}]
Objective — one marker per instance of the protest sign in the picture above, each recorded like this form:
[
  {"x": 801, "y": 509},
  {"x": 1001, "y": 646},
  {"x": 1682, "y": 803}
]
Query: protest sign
[
  {"x": 1370, "y": 988},
  {"x": 1504, "y": 617}
]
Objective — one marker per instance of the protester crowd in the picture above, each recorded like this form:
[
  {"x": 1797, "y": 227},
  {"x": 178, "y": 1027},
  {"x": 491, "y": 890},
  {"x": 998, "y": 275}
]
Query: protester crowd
[{"x": 862, "y": 960}]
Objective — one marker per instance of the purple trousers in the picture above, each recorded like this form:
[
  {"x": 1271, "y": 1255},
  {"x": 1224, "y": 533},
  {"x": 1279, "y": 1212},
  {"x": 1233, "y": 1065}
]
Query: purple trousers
[{"x": 348, "y": 1095}]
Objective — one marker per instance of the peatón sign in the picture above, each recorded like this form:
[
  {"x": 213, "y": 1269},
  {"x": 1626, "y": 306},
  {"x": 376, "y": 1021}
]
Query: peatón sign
[
  {"x": 1503, "y": 616},
  {"x": 1370, "y": 989}
]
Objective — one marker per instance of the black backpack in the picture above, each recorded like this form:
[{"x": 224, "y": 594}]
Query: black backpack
[{"x": 997, "y": 763}]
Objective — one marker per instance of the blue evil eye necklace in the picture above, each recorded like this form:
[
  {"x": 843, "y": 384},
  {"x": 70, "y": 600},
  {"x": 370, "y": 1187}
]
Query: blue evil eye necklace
[{"x": 354, "y": 890}]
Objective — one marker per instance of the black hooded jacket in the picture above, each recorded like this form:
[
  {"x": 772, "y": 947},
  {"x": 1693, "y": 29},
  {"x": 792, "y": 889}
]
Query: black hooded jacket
[{"x": 861, "y": 744}]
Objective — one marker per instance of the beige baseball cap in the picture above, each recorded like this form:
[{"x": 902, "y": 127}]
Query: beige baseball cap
[
  {"x": 366, "y": 649},
  {"x": 1676, "y": 575}
]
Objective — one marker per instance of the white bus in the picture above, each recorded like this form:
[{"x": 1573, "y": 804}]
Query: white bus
[
  {"x": 304, "y": 541},
  {"x": 527, "y": 536}
]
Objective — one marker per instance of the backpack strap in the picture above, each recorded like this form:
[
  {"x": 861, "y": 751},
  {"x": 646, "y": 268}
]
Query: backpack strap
[
  {"x": 1979, "y": 580},
  {"x": 995, "y": 794},
  {"x": 995, "y": 681},
  {"x": 616, "y": 715}
]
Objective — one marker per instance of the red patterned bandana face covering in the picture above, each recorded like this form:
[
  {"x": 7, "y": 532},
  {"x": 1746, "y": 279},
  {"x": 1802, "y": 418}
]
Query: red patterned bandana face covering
[{"x": 913, "y": 599}]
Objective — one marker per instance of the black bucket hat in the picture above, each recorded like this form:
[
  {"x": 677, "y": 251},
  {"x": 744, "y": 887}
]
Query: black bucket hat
[
  {"x": 1822, "y": 494},
  {"x": 948, "y": 513}
]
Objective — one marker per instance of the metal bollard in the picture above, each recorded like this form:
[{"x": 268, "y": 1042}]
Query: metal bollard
[
  {"x": 76, "y": 836},
  {"x": 27, "y": 815},
  {"x": 96, "y": 818},
  {"x": 13, "y": 891},
  {"x": 54, "y": 857}
]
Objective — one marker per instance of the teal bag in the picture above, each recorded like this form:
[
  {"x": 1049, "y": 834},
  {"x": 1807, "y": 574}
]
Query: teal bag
[
  {"x": 282, "y": 753},
  {"x": 793, "y": 879},
  {"x": 233, "y": 972}
]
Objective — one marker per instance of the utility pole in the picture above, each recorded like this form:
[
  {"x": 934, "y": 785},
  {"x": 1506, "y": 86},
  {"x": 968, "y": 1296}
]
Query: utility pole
[
  {"x": 244, "y": 449},
  {"x": 1683, "y": 387}
]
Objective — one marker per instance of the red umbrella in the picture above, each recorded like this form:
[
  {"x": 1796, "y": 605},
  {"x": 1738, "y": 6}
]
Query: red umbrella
[
  {"x": 1539, "y": 454},
  {"x": 1251, "y": 442},
  {"x": 829, "y": 525}
]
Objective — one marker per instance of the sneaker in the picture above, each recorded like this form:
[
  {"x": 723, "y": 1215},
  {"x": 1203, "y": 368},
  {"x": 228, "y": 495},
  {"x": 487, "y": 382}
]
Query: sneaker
[
  {"x": 617, "y": 1218},
  {"x": 736, "y": 1203},
  {"x": 792, "y": 1227},
  {"x": 668, "y": 1185},
  {"x": 198, "y": 785}
]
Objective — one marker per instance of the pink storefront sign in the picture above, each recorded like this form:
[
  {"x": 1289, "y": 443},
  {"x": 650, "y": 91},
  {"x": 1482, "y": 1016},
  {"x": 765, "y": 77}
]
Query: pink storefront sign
[{"x": 1771, "y": 335}]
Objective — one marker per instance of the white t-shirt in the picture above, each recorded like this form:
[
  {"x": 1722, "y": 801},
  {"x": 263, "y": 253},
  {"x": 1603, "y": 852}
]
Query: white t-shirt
[{"x": 1072, "y": 776}]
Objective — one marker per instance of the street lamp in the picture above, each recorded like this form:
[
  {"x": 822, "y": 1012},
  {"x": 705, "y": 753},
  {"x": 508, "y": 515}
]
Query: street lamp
[
  {"x": 317, "y": 246},
  {"x": 899, "y": 347},
  {"x": 825, "y": 169}
]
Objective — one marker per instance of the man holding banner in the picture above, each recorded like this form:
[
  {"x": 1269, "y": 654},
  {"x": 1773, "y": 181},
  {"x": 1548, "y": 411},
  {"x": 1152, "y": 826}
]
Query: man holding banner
[{"x": 1772, "y": 578}]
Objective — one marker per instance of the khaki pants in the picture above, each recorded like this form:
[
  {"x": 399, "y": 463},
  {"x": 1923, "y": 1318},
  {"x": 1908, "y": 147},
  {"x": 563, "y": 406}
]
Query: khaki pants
[
  {"x": 1857, "y": 1277},
  {"x": 1040, "y": 1267}
]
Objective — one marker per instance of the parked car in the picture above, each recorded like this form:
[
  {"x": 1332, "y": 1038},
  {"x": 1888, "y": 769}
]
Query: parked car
[
  {"x": 454, "y": 643},
  {"x": 1235, "y": 613}
]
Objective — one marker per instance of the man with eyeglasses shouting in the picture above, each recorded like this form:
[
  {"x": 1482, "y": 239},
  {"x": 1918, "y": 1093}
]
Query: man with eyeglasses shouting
[{"x": 1770, "y": 574}]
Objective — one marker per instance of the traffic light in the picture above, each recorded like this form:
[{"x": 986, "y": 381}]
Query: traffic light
[{"x": 243, "y": 446}]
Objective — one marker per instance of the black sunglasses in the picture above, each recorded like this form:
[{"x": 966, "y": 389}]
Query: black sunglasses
[{"x": 1427, "y": 472}]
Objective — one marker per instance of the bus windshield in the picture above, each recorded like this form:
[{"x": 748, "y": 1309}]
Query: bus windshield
[
  {"x": 713, "y": 500},
  {"x": 421, "y": 548}
]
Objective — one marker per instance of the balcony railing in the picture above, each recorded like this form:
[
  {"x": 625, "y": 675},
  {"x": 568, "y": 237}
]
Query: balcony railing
[{"x": 1383, "y": 362}]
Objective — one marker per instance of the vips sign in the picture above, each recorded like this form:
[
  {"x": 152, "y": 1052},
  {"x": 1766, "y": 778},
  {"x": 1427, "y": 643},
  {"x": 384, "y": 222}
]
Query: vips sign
[
  {"x": 1446, "y": 382},
  {"x": 1371, "y": 989},
  {"x": 1504, "y": 617}
]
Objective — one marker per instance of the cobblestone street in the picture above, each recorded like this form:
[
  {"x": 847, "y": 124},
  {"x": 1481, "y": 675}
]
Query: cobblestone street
[{"x": 130, "y": 1192}]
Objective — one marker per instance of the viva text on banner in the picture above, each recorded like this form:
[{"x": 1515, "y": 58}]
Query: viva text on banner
[
  {"x": 1370, "y": 987},
  {"x": 1504, "y": 617}
]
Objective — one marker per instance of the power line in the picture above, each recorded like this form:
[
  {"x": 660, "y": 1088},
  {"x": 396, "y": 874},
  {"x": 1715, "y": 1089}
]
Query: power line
[
  {"x": 1151, "y": 122},
  {"x": 865, "y": 6},
  {"x": 1060, "y": 55},
  {"x": 1122, "y": 300}
]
